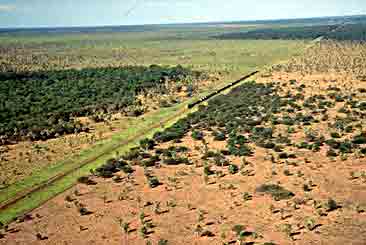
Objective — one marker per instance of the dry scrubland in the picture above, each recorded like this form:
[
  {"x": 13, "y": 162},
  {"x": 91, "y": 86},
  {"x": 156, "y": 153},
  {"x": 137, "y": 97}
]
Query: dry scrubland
[
  {"x": 279, "y": 161},
  {"x": 219, "y": 61}
]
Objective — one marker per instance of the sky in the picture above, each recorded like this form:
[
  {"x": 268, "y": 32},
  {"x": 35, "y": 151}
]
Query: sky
[{"x": 51, "y": 13}]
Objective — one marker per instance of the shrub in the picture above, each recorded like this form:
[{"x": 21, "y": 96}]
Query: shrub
[
  {"x": 238, "y": 228},
  {"x": 207, "y": 170},
  {"x": 151, "y": 161},
  {"x": 86, "y": 180},
  {"x": 276, "y": 191},
  {"x": 84, "y": 211},
  {"x": 247, "y": 196},
  {"x": 233, "y": 169},
  {"x": 197, "y": 135},
  {"x": 330, "y": 205},
  {"x": 242, "y": 150},
  {"x": 153, "y": 181},
  {"x": 332, "y": 153},
  {"x": 284, "y": 155},
  {"x": 177, "y": 131},
  {"x": 176, "y": 160},
  {"x": 333, "y": 143},
  {"x": 335, "y": 135},
  {"x": 163, "y": 242},
  {"x": 219, "y": 136},
  {"x": 346, "y": 147},
  {"x": 132, "y": 154},
  {"x": 108, "y": 169},
  {"x": 359, "y": 139},
  {"x": 147, "y": 144},
  {"x": 127, "y": 169}
]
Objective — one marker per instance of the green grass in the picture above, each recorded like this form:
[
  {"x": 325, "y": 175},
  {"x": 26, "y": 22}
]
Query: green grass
[{"x": 39, "y": 197}]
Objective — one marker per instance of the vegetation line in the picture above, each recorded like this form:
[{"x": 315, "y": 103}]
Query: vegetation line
[
  {"x": 205, "y": 98},
  {"x": 25, "y": 193},
  {"x": 48, "y": 182}
]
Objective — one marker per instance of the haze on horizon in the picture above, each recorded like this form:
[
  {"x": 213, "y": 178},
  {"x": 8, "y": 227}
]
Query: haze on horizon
[{"x": 53, "y": 13}]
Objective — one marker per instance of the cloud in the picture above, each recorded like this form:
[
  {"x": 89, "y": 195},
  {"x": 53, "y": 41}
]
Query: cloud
[{"x": 7, "y": 7}]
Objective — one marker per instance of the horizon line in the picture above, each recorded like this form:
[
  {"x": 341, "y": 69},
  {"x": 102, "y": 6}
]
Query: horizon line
[{"x": 176, "y": 23}]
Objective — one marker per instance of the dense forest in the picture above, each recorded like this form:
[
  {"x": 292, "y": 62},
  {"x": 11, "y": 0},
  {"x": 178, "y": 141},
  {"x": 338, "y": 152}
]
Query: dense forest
[
  {"x": 355, "y": 32},
  {"x": 42, "y": 105}
]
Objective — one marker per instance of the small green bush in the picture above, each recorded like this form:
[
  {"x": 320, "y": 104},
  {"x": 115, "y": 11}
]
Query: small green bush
[
  {"x": 153, "y": 181},
  {"x": 276, "y": 191},
  {"x": 197, "y": 135},
  {"x": 233, "y": 169}
]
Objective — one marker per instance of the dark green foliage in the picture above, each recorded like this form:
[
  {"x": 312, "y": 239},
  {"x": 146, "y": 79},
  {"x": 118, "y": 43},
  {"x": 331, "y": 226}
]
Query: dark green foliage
[
  {"x": 151, "y": 161},
  {"x": 207, "y": 170},
  {"x": 197, "y": 135},
  {"x": 238, "y": 228},
  {"x": 304, "y": 145},
  {"x": 147, "y": 144},
  {"x": 331, "y": 205},
  {"x": 362, "y": 106},
  {"x": 210, "y": 154},
  {"x": 299, "y": 32},
  {"x": 359, "y": 139},
  {"x": 333, "y": 143},
  {"x": 112, "y": 166},
  {"x": 86, "y": 180},
  {"x": 346, "y": 147},
  {"x": 233, "y": 169},
  {"x": 277, "y": 192},
  {"x": 132, "y": 154},
  {"x": 335, "y": 135},
  {"x": 127, "y": 169},
  {"x": 163, "y": 242},
  {"x": 153, "y": 181},
  {"x": 108, "y": 169},
  {"x": 285, "y": 155},
  {"x": 177, "y": 131},
  {"x": 241, "y": 150},
  {"x": 241, "y": 112},
  {"x": 219, "y": 136},
  {"x": 332, "y": 153},
  {"x": 42, "y": 105},
  {"x": 176, "y": 160}
]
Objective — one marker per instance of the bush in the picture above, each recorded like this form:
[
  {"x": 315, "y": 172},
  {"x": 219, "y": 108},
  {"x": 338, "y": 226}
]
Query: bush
[
  {"x": 335, "y": 135},
  {"x": 346, "y": 147},
  {"x": 132, "y": 154},
  {"x": 176, "y": 160},
  {"x": 284, "y": 155},
  {"x": 276, "y": 191},
  {"x": 177, "y": 131},
  {"x": 207, "y": 170},
  {"x": 332, "y": 153},
  {"x": 151, "y": 161},
  {"x": 147, "y": 144},
  {"x": 197, "y": 135},
  {"x": 86, "y": 180},
  {"x": 219, "y": 136},
  {"x": 242, "y": 150},
  {"x": 233, "y": 169},
  {"x": 359, "y": 139},
  {"x": 153, "y": 181}
]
